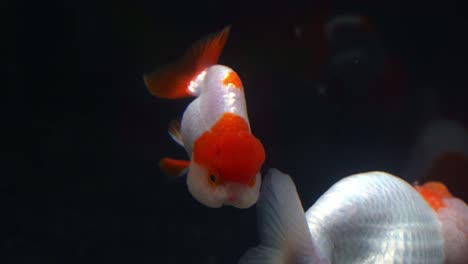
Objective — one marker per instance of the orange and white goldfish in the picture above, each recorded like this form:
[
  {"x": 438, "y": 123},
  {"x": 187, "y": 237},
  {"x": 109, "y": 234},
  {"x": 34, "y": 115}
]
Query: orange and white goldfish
[
  {"x": 225, "y": 157},
  {"x": 371, "y": 217}
]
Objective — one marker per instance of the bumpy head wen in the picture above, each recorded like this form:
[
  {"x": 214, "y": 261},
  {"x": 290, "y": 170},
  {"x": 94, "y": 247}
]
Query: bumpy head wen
[
  {"x": 434, "y": 193},
  {"x": 226, "y": 164},
  {"x": 452, "y": 213}
]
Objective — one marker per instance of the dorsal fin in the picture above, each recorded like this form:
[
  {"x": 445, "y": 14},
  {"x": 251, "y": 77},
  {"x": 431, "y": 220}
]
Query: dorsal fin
[{"x": 173, "y": 80}]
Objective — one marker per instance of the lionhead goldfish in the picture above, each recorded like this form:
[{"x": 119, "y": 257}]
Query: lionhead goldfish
[
  {"x": 225, "y": 157},
  {"x": 370, "y": 217}
]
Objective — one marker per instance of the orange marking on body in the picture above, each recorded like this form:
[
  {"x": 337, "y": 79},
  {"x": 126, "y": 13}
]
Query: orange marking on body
[
  {"x": 173, "y": 80},
  {"x": 173, "y": 167},
  {"x": 230, "y": 150},
  {"x": 434, "y": 193},
  {"x": 233, "y": 78}
]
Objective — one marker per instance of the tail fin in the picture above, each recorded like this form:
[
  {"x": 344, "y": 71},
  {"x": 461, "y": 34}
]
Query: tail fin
[
  {"x": 173, "y": 81},
  {"x": 283, "y": 231}
]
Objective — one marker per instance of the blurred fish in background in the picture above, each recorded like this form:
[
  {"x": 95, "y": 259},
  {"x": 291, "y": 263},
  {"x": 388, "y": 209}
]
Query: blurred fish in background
[
  {"x": 348, "y": 60},
  {"x": 354, "y": 90}
]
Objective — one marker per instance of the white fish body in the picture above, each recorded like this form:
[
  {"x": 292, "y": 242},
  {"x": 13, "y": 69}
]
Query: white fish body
[
  {"x": 214, "y": 99},
  {"x": 375, "y": 218},
  {"x": 371, "y": 217}
]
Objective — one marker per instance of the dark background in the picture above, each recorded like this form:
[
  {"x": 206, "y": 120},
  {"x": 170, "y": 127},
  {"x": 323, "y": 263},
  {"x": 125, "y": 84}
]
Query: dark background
[{"x": 83, "y": 136}]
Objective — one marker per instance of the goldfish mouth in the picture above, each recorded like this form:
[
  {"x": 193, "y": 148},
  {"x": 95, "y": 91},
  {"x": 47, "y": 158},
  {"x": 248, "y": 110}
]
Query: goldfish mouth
[{"x": 241, "y": 195}]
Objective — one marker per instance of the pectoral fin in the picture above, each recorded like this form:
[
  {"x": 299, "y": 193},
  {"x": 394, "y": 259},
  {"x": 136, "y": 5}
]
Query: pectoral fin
[
  {"x": 174, "y": 131},
  {"x": 283, "y": 231},
  {"x": 174, "y": 167}
]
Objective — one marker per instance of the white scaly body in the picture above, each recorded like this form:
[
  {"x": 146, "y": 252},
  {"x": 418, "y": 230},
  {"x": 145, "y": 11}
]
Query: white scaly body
[
  {"x": 371, "y": 217},
  {"x": 375, "y": 218},
  {"x": 214, "y": 98}
]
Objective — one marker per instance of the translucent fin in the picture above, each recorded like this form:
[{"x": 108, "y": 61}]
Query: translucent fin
[
  {"x": 174, "y": 131},
  {"x": 262, "y": 255},
  {"x": 174, "y": 167},
  {"x": 283, "y": 230},
  {"x": 173, "y": 80}
]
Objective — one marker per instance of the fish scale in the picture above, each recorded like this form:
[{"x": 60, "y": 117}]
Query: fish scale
[{"x": 390, "y": 221}]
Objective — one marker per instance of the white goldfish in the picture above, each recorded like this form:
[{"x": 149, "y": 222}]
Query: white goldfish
[{"x": 371, "y": 217}]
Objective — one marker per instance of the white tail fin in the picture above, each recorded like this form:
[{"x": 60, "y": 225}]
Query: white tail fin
[{"x": 283, "y": 231}]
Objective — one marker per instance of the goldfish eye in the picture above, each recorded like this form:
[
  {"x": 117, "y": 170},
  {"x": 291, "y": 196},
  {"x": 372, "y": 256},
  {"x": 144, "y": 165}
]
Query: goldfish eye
[{"x": 214, "y": 179}]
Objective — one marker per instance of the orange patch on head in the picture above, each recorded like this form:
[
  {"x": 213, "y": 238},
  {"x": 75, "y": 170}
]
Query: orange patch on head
[
  {"x": 434, "y": 193},
  {"x": 233, "y": 78},
  {"x": 230, "y": 150}
]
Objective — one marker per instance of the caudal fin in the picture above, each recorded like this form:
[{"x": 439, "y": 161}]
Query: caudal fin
[
  {"x": 283, "y": 231},
  {"x": 173, "y": 81}
]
